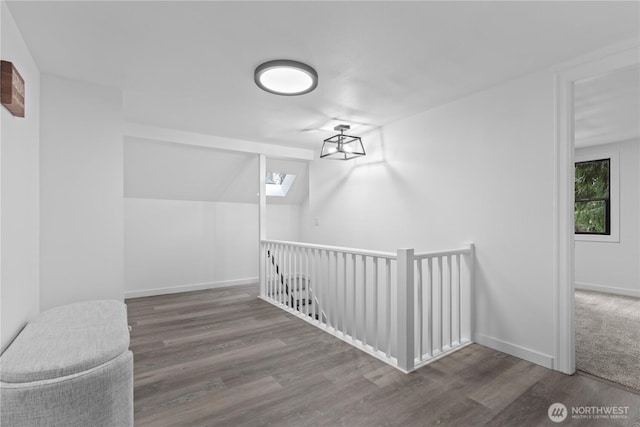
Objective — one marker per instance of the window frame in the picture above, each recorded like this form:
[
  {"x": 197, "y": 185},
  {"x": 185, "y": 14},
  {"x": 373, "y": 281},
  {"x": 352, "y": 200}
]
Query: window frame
[
  {"x": 282, "y": 189},
  {"x": 606, "y": 200},
  {"x": 614, "y": 195}
]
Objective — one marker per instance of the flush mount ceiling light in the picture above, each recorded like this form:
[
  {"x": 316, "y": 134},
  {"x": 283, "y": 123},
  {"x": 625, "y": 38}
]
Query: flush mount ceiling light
[
  {"x": 341, "y": 146},
  {"x": 286, "y": 77}
]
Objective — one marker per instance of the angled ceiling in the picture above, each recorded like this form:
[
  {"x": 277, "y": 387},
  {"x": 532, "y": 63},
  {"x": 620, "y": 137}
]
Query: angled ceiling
[
  {"x": 189, "y": 65},
  {"x": 161, "y": 170},
  {"x": 607, "y": 108}
]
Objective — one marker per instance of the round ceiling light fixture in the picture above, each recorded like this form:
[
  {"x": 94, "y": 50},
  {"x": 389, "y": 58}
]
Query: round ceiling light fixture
[{"x": 286, "y": 77}]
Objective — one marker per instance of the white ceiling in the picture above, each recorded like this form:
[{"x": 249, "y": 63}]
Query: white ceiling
[
  {"x": 607, "y": 108},
  {"x": 189, "y": 65}
]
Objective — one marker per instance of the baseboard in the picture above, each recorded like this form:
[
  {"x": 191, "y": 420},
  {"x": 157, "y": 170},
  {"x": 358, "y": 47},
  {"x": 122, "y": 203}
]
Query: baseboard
[
  {"x": 188, "y": 288},
  {"x": 607, "y": 289},
  {"x": 516, "y": 350}
]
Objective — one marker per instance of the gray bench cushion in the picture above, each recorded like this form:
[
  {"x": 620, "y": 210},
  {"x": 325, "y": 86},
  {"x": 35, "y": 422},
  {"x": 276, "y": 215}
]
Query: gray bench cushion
[{"x": 67, "y": 340}]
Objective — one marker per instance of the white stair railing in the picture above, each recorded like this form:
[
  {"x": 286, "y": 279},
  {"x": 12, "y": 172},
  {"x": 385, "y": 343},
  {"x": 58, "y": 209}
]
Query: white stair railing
[
  {"x": 443, "y": 302},
  {"x": 380, "y": 302}
]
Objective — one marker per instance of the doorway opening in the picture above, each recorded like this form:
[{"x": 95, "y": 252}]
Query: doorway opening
[
  {"x": 606, "y": 140},
  {"x": 601, "y": 63}
]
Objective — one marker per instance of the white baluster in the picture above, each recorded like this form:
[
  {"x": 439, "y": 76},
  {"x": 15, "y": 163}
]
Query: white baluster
[
  {"x": 314, "y": 280},
  {"x": 326, "y": 287},
  {"x": 419, "y": 306},
  {"x": 440, "y": 313},
  {"x": 289, "y": 265},
  {"x": 459, "y": 314},
  {"x": 321, "y": 297},
  {"x": 450, "y": 285},
  {"x": 321, "y": 281},
  {"x": 292, "y": 278},
  {"x": 374, "y": 317},
  {"x": 364, "y": 300},
  {"x": 387, "y": 284},
  {"x": 353, "y": 301},
  {"x": 270, "y": 270},
  {"x": 299, "y": 280},
  {"x": 273, "y": 272},
  {"x": 283, "y": 267},
  {"x": 298, "y": 302},
  {"x": 344, "y": 294},
  {"x": 306, "y": 282},
  {"x": 276, "y": 281},
  {"x": 334, "y": 299},
  {"x": 430, "y": 306}
]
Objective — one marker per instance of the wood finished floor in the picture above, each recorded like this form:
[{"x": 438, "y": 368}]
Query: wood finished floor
[{"x": 225, "y": 358}]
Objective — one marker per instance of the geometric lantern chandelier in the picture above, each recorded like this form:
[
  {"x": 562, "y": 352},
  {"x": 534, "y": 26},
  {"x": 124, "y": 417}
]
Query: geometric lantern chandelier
[{"x": 341, "y": 146}]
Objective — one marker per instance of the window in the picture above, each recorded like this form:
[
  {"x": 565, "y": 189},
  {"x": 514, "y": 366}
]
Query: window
[
  {"x": 275, "y": 178},
  {"x": 597, "y": 195},
  {"x": 278, "y": 184},
  {"x": 592, "y": 197}
]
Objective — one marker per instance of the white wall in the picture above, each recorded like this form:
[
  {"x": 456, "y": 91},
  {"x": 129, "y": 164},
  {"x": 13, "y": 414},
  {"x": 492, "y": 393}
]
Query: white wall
[
  {"x": 478, "y": 169},
  {"x": 180, "y": 245},
  {"x": 81, "y": 192},
  {"x": 283, "y": 222},
  {"x": 19, "y": 221},
  {"x": 191, "y": 216},
  {"x": 183, "y": 245},
  {"x": 615, "y": 266}
]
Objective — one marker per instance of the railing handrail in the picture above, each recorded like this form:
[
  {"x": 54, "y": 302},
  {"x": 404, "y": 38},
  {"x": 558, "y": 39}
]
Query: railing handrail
[
  {"x": 355, "y": 251},
  {"x": 461, "y": 251},
  {"x": 343, "y": 304},
  {"x": 367, "y": 252}
]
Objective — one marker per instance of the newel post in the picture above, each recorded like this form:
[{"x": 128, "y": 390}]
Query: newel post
[
  {"x": 471, "y": 264},
  {"x": 405, "y": 310},
  {"x": 262, "y": 223}
]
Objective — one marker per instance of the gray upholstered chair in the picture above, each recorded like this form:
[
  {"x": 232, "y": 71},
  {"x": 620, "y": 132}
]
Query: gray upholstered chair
[{"x": 71, "y": 366}]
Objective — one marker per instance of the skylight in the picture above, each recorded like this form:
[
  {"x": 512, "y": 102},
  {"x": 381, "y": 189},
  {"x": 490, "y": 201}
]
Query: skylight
[
  {"x": 275, "y": 178},
  {"x": 278, "y": 184}
]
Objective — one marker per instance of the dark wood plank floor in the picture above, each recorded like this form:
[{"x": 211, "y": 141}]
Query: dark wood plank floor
[{"x": 224, "y": 358}]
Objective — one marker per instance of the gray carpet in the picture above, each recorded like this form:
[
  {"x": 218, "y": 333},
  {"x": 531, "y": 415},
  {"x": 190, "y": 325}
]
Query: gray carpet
[{"x": 608, "y": 337}]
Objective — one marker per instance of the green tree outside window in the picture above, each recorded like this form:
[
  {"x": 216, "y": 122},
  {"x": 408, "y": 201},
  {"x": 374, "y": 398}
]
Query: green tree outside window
[{"x": 592, "y": 199}]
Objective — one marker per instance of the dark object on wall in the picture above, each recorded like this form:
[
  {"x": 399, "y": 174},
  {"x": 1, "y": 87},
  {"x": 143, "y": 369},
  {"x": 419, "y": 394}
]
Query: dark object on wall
[{"x": 12, "y": 89}]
